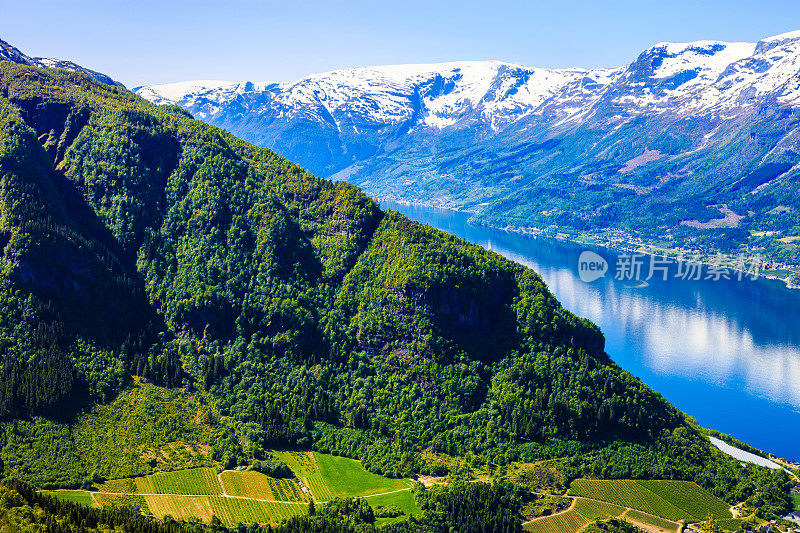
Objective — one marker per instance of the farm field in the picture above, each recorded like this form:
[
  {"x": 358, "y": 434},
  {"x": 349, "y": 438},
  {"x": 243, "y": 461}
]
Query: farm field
[
  {"x": 593, "y": 509},
  {"x": 251, "y": 497},
  {"x": 304, "y": 466},
  {"x": 198, "y": 494},
  {"x": 568, "y": 522},
  {"x": 667, "y": 499},
  {"x": 650, "y": 520},
  {"x": 690, "y": 497},
  {"x": 586, "y": 511},
  {"x": 234, "y": 510},
  {"x": 583, "y": 512},
  {"x": 251, "y": 484},
  {"x": 796, "y": 500},
  {"x": 188, "y": 502},
  {"x": 197, "y": 481},
  {"x": 180, "y": 507},
  {"x": 122, "y": 500},
  {"x": 76, "y": 496},
  {"x": 730, "y": 523},
  {"x": 346, "y": 477}
]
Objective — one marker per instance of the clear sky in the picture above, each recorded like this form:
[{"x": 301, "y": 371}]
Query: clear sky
[{"x": 145, "y": 41}]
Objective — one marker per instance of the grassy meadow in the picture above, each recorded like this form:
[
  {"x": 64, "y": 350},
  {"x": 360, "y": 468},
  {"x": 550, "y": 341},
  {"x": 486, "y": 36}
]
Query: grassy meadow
[
  {"x": 346, "y": 477},
  {"x": 76, "y": 496}
]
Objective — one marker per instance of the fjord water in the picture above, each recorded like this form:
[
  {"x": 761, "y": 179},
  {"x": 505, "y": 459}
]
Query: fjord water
[{"x": 726, "y": 352}]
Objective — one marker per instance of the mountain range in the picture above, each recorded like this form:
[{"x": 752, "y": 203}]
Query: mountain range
[{"x": 691, "y": 145}]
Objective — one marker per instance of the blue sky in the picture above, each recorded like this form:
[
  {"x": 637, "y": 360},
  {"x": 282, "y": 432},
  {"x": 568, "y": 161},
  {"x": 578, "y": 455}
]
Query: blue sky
[{"x": 174, "y": 40}]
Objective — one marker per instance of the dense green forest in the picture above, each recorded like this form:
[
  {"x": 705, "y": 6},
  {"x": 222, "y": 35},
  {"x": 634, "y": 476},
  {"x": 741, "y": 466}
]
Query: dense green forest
[{"x": 140, "y": 242}]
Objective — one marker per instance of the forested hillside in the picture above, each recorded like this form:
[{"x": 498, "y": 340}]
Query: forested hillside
[{"x": 140, "y": 242}]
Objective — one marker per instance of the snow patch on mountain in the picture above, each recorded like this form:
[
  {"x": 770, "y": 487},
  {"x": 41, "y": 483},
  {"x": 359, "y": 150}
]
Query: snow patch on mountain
[
  {"x": 441, "y": 95},
  {"x": 706, "y": 58},
  {"x": 173, "y": 93},
  {"x": 353, "y": 112}
]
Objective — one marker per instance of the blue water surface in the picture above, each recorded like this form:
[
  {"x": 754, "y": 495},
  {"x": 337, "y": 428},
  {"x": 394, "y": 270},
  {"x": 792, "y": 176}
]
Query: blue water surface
[{"x": 726, "y": 352}]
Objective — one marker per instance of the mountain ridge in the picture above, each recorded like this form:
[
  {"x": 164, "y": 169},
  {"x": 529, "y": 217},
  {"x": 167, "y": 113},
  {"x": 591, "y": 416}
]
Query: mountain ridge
[
  {"x": 13, "y": 54},
  {"x": 681, "y": 131}
]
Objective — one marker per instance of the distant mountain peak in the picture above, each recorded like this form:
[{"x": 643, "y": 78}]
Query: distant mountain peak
[
  {"x": 770, "y": 43},
  {"x": 685, "y": 77},
  {"x": 13, "y": 54}
]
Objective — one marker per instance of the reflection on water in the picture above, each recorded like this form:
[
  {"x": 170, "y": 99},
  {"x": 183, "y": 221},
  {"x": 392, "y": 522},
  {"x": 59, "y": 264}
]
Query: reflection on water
[{"x": 726, "y": 352}]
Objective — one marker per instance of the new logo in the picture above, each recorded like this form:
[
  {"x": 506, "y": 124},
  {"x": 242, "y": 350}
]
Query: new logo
[{"x": 591, "y": 266}]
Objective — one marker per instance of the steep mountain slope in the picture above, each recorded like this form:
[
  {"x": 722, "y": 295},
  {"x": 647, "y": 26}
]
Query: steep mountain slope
[
  {"x": 659, "y": 149},
  {"x": 10, "y": 53},
  {"x": 138, "y": 241}
]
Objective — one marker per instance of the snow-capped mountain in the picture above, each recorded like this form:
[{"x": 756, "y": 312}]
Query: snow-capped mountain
[
  {"x": 435, "y": 96},
  {"x": 684, "y": 127},
  {"x": 700, "y": 75},
  {"x": 10, "y": 53}
]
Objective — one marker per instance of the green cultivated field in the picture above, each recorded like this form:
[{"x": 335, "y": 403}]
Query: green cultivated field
[
  {"x": 582, "y": 513},
  {"x": 234, "y": 510},
  {"x": 252, "y": 497},
  {"x": 592, "y": 509},
  {"x": 626, "y": 493},
  {"x": 650, "y": 520},
  {"x": 346, "y": 477},
  {"x": 230, "y": 510},
  {"x": 673, "y": 500},
  {"x": 199, "y": 481},
  {"x": 730, "y": 524},
  {"x": 123, "y": 500},
  {"x": 304, "y": 466},
  {"x": 690, "y": 497},
  {"x": 796, "y": 500},
  {"x": 568, "y": 522},
  {"x": 76, "y": 496},
  {"x": 180, "y": 507},
  {"x": 251, "y": 484},
  {"x": 586, "y": 511}
]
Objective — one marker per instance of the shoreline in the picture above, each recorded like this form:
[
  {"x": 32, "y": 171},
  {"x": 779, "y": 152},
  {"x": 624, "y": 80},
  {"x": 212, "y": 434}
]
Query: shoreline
[{"x": 538, "y": 233}]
